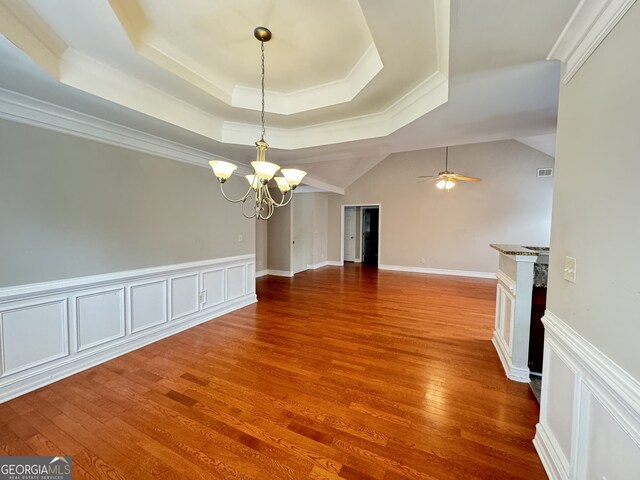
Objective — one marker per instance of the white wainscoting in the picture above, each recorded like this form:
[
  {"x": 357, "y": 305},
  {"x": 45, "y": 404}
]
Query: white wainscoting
[
  {"x": 589, "y": 412},
  {"x": 505, "y": 327},
  {"x": 51, "y": 330}
]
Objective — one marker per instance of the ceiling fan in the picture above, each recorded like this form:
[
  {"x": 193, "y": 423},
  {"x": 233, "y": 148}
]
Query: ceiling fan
[{"x": 446, "y": 180}]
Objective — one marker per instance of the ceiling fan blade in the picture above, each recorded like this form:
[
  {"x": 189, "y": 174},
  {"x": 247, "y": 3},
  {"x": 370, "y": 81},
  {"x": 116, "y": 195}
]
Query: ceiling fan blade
[
  {"x": 464, "y": 178},
  {"x": 428, "y": 176}
]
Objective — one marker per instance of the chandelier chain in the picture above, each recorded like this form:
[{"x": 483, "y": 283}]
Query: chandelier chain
[
  {"x": 262, "y": 89},
  {"x": 258, "y": 199}
]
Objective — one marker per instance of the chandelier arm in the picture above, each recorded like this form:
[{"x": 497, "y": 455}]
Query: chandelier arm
[
  {"x": 244, "y": 201},
  {"x": 241, "y": 199},
  {"x": 259, "y": 204},
  {"x": 282, "y": 201},
  {"x": 270, "y": 210}
]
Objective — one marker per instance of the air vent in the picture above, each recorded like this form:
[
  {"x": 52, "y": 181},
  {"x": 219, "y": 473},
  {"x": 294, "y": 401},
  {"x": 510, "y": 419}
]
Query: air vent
[{"x": 545, "y": 172}]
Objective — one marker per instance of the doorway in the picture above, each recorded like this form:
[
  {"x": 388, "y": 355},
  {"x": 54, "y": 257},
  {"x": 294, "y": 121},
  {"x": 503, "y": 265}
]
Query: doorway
[
  {"x": 360, "y": 231},
  {"x": 370, "y": 233}
]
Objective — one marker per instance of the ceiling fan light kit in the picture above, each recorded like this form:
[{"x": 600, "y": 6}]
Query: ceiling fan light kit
[
  {"x": 446, "y": 180},
  {"x": 258, "y": 196}
]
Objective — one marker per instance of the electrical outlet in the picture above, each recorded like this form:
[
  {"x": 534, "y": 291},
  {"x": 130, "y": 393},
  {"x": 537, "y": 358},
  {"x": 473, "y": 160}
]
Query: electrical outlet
[
  {"x": 240, "y": 238},
  {"x": 570, "y": 269},
  {"x": 202, "y": 297},
  {"x": 423, "y": 260}
]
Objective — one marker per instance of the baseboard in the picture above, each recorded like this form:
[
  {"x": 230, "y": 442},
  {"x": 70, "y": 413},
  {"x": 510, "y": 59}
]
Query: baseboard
[
  {"x": 280, "y": 273},
  {"x": 517, "y": 374},
  {"x": 85, "y": 321},
  {"x": 317, "y": 265},
  {"x": 261, "y": 273},
  {"x": 334, "y": 263},
  {"x": 586, "y": 397},
  {"x": 548, "y": 454},
  {"x": 437, "y": 271}
]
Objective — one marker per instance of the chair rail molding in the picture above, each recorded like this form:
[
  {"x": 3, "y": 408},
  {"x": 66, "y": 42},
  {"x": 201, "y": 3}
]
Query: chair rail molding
[
  {"x": 588, "y": 26},
  {"x": 589, "y": 410},
  {"x": 51, "y": 330}
]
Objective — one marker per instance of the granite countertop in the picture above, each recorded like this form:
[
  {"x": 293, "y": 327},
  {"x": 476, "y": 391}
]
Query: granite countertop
[{"x": 519, "y": 249}]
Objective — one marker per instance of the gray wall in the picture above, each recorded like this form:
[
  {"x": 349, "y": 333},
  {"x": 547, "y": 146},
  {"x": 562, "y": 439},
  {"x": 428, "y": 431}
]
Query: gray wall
[
  {"x": 320, "y": 218},
  {"x": 304, "y": 221},
  {"x": 303, "y": 228},
  {"x": 597, "y": 198},
  {"x": 453, "y": 230},
  {"x": 262, "y": 229},
  {"x": 279, "y": 238},
  {"x": 72, "y": 207}
]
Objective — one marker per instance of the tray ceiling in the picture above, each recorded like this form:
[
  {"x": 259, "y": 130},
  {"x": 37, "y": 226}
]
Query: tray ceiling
[{"x": 336, "y": 70}]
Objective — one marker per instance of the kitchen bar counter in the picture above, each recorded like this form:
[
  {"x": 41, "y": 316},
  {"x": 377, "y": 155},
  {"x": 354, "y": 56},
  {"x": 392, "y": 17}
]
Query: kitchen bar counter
[
  {"x": 519, "y": 249},
  {"x": 520, "y": 269}
]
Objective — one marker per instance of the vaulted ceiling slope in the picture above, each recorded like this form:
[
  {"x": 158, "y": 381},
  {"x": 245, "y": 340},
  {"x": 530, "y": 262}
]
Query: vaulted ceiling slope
[{"x": 348, "y": 82}]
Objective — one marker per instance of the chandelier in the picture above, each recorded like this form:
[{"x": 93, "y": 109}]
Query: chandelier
[{"x": 258, "y": 199}]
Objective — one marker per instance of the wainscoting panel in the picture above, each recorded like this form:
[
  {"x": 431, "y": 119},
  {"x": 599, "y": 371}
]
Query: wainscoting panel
[
  {"x": 147, "y": 305},
  {"x": 185, "y": 291},
  {"x": 99, "y": 317},
  {"x": 213, "y": 286},
  {"x": 51, "y": 330},
  {"x": 589, "y": 412},
  {"x": 236, "y": 283},
  {"x": 504, "y": 328},
  {"x": 33, "y": 334},
  {"x": 607, "y": 430},
  {"x": 251, "y": 278}
]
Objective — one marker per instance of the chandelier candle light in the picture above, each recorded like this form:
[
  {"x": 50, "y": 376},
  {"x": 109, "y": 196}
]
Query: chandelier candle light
[{"x": 258, "y": 195}]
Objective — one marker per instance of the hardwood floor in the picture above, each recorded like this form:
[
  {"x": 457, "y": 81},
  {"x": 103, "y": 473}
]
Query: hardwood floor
[{"x": 337, "y": 373}]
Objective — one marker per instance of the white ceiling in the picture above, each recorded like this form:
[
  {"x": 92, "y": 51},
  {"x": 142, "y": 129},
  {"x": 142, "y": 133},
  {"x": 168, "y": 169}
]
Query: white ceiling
[{"x": 350, "y": 81}]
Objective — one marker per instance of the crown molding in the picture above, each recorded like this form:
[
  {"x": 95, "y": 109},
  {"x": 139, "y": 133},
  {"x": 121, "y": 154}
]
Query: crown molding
[
  {"x": 590, "y": 23},
  {"x": 31, "y": 111},
  {"x": 428, "y": 95},
  {"x": 38, "y": 113},
  {"x": 320, "y": 96}
]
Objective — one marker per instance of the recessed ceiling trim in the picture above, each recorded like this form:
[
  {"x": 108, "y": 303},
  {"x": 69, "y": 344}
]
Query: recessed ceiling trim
[
  {"x": 85, "y": 73},
  {"x": 155, "y": 53},
  {"x": 25, "y": 29},
  {"x": 430, "y": 94},
  {"x": 332, "y": 93}
]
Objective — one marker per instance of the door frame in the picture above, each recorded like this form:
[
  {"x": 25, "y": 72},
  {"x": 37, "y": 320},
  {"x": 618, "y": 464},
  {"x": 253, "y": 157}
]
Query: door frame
[
  {"x": 355, "y": 229},
  {"x": 370, "y": 205}
]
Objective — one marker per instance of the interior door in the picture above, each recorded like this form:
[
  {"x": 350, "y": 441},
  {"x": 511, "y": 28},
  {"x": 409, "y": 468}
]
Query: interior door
[
  {"x": 350, "y": 234},
  {"x": 370, "y": 225}
]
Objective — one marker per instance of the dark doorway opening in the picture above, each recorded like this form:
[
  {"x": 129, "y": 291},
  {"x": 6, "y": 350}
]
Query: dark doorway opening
[{"x": 370, "y": 226}]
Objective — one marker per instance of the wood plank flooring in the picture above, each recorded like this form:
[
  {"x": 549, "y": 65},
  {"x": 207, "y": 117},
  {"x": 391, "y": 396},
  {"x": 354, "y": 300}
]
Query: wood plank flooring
[{"x": 348, "y": 373}]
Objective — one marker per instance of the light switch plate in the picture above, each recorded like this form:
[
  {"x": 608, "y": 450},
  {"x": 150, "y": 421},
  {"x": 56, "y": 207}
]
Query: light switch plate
[{"x": 570, "y": 269}]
